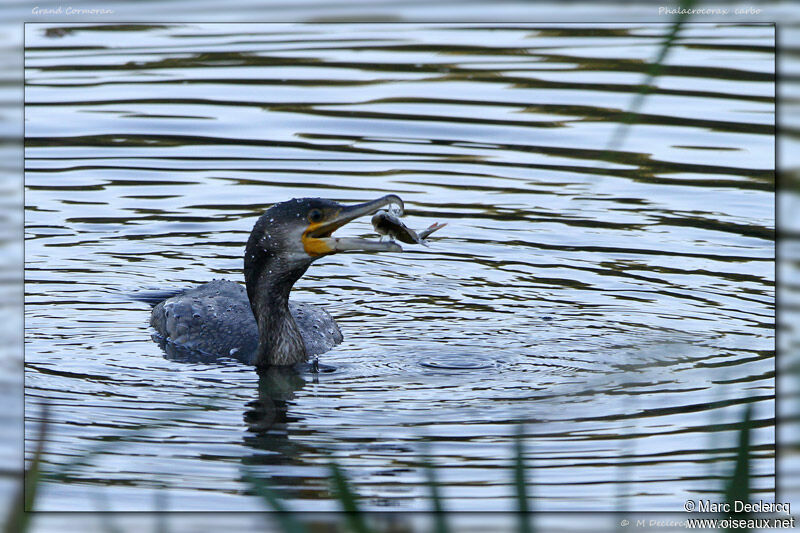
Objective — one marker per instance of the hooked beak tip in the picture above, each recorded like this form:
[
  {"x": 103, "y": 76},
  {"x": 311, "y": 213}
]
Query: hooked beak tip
[{"x": 317, "y": 239}]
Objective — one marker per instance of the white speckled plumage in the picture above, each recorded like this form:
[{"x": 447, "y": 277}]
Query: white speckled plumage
[{"x": 215, "y": 319}]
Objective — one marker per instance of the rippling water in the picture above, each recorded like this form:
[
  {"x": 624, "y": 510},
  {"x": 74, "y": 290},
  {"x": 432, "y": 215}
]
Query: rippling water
[{"x": 618, "y": 302}]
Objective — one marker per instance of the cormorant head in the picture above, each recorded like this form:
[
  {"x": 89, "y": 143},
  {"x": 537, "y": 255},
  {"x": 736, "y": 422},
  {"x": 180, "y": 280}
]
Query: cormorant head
[{"x": 299, "y": 231}]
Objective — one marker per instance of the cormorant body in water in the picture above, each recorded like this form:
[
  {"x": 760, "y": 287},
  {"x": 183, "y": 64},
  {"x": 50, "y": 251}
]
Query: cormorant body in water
[{"x": 258, "y": 324}]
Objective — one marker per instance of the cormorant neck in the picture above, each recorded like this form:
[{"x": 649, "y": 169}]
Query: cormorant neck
[{"x": 269, "y": 279}]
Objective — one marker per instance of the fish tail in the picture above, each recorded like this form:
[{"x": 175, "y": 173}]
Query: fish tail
[{"x": 433, "y": 227}]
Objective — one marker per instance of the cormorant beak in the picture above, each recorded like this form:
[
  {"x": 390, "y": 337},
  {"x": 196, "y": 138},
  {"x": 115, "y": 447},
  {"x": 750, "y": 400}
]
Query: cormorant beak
[{"x": 317, "y": 240}]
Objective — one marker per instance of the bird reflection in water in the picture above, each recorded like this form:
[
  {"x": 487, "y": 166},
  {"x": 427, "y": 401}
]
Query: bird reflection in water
[{"x": 276, "y": 388}]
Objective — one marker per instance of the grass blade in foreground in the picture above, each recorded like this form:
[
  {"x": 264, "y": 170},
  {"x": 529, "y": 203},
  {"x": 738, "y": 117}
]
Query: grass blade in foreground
[
  {"x": 439, "y": 514},
  {"x": 738, "y": 487},
  {"x": 18, "y": 518},
  {"x": 655, "y": 68},
  {"x": 523, "y": 509},
  {"x": 287, "y": 521},
  {"x": 348, "y": 499}
]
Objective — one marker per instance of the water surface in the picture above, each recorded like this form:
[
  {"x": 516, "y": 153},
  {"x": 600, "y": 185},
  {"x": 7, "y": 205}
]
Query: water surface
[{"x": 617, "y": 302}]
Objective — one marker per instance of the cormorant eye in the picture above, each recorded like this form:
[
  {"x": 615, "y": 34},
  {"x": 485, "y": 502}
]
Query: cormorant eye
[{"x": 315, "y": 215}]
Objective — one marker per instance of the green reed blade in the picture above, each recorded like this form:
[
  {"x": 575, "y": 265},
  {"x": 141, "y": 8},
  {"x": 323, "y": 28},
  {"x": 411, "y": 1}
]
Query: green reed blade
[
  {"x": 523, "y": 507},
  {"x": 18, "y": 517},
  {"x": 348, "y": 499},
  {"x": 629, "y": 117},
  {"x": 738, "y": 486},
  {"x": 439, "y": 514},
  {"x": 287, "y": 520}
]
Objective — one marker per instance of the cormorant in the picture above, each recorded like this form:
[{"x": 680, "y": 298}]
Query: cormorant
[{"x": 259, "y": 325}]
